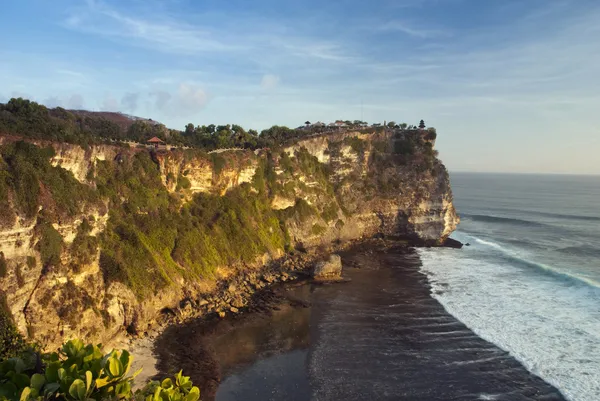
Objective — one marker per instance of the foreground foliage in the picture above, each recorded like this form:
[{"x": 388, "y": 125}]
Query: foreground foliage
[
  {"x": 80, "y": 372},
  {"x": 11, "y": 341}
]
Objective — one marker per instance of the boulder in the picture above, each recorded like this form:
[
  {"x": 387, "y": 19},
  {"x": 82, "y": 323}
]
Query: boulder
[
  {"x": 452, "y": 243},
  {"x": 329, "y": 269}
]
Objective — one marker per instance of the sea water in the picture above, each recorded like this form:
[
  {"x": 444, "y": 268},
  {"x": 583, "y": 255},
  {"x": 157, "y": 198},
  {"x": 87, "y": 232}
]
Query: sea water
[{"x": 530, "y": 280}]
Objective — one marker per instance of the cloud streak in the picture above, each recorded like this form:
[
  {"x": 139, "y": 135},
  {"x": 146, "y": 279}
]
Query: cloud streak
[{"x": 243, "y": 38}]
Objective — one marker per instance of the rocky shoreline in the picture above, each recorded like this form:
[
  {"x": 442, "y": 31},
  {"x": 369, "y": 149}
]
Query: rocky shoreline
[
  {"x": 249, "y": 292},
  {"x": 285, "y": 346},
  {"x": 252, "y": 292}
]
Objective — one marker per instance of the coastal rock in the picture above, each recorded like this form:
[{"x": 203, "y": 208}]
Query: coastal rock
[
  {"x": 452, "y": 243},
  {"x": 329, "y": 269}
]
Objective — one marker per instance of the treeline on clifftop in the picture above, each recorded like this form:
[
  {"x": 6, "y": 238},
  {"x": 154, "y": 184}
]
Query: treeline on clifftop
[{"x": 28, "y": 119}]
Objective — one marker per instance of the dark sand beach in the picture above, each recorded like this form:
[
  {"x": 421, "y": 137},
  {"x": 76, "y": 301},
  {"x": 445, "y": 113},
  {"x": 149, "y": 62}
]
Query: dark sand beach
[{"x": 380, "y": 336}]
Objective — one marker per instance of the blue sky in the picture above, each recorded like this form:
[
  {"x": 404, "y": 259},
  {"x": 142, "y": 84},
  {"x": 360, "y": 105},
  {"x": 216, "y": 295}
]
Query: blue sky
[{"x": 511, "y": 85}]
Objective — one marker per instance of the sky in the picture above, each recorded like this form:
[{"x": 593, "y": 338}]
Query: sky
[{"x": 510, "y": 85}]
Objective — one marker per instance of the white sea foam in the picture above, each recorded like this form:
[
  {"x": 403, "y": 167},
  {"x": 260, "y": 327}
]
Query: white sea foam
[{"x": 551, "y": 325}]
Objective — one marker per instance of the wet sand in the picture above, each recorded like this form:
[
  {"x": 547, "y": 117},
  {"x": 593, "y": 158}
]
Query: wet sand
[{"x": 380, "y": 336}]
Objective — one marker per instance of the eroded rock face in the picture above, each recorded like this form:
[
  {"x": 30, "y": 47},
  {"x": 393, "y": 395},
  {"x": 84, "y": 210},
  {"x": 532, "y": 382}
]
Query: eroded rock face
[
  {"x": 328, "y": 269},
  {"x": 351, "y": 185}
]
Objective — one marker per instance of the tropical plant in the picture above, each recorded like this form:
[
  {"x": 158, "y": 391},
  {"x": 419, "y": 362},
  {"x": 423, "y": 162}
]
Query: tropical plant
[{"x": 80, "y": 372}]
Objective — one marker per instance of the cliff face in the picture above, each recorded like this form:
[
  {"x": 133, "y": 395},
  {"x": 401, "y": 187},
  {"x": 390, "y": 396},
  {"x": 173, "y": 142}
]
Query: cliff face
[{"x": 152, "y": 230}]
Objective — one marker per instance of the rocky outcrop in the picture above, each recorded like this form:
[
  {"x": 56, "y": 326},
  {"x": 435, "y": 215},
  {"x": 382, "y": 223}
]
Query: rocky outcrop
[
  {"x": 329, "y": 269},
  {"x": 325, "y": 190}
]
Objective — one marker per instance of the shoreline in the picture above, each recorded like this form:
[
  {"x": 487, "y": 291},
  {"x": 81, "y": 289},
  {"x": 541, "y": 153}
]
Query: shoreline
[
  {"x": 226, "y": 352},
  {"x": 257, "y": 297}
]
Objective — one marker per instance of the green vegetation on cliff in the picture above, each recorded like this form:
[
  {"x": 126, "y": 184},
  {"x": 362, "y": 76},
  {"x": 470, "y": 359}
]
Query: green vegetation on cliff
[
  {"x": 150, "y": 236},
  {"x": 27, "y": 177},
  {"x": 11, "y": 341}
]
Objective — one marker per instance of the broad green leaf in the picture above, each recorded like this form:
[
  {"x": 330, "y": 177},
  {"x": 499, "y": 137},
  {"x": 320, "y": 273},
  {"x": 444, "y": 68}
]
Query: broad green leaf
[
  {"x": 89, "y": 381},
  {"x": 103, "y": 381},
  {"x": 19, "y": 365},
  {"x": 157, "y": 393},
  {"x": 52, "y": 372},
  {"x": 21, "y": 380},
  {"x": 25, "y": 394},
  {"x": 115, "y": 367},
  {"x": 193, "y": 395},
  {"x": 51, "y": 388},
  {"x": 123, "y": 390},
  {"x": 37, "y": 381},
  {"x": 77, "y": 390},
  {"x": 126, "y": 360},
  {"x": 167, "y": 383},
  {"x": 8, "y": 390}
]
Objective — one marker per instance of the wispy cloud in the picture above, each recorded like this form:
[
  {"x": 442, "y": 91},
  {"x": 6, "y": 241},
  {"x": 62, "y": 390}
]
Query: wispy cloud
[
  {"x": 250, "y": 37},
  {"x": 411, "y": 30}
]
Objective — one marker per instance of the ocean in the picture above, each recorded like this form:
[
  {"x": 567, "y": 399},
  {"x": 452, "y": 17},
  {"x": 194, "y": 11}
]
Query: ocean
[{"x": 530, "y": 280}]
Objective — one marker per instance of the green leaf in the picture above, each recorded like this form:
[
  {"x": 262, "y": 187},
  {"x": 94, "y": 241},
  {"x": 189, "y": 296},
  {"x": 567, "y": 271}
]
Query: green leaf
[
  {"x": 89, "y": 381},
  {"x": 157, "y": 393},
  {"x": 51, "y": 388},
  {"x": 123, "y": 390},
  {"x": 115, "y": 367},
  {"x": 37, "y": 381},
  {"x": 193, "y": 395},
  {"x": 77, "y": 390},
  {"x": 21, "y": 380},
  {"x": 8, "y": 390},
  {"x": 167, "y": 383},
  {"x": 25, "y": 394},
  {"x": 52, "y": 372},
  {"x": 103, "y": 381},
  {"x": 126, "y": 360},
  {"x": 19, "y": 365}
]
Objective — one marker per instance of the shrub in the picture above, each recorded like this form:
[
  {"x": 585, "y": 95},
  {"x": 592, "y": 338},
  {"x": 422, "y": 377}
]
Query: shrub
[
  {"x": 404, "y": 147},
  {"x": 19, "y": 276},
  {"x": 84, "y": 246},
  {"x": 431, "y": 134},
  {"x": 3, "y": 265},
  {"x": 183, "y": 183},
  {"x": 81, "y": 372},
  {"x": 11, "y": 341},
  {"x": 317, "y": 229},
  {"x": 330, "y": 212},
  {"x": 219, "y": 163},
  {"x": 50, "y": 243},
  {"x": 357, "y": 144}
]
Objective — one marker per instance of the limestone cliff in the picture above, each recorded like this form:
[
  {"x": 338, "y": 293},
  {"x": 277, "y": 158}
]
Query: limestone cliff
[{"x": 112, "y": 236}]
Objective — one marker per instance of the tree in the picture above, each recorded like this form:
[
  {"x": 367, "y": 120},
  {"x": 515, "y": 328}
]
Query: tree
[
  {"x": 422, "y": 124},
  {"x": 403, "y": 125},
  {"x": 307, "y": 123},
  {"x": 391, "y": 124}
]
